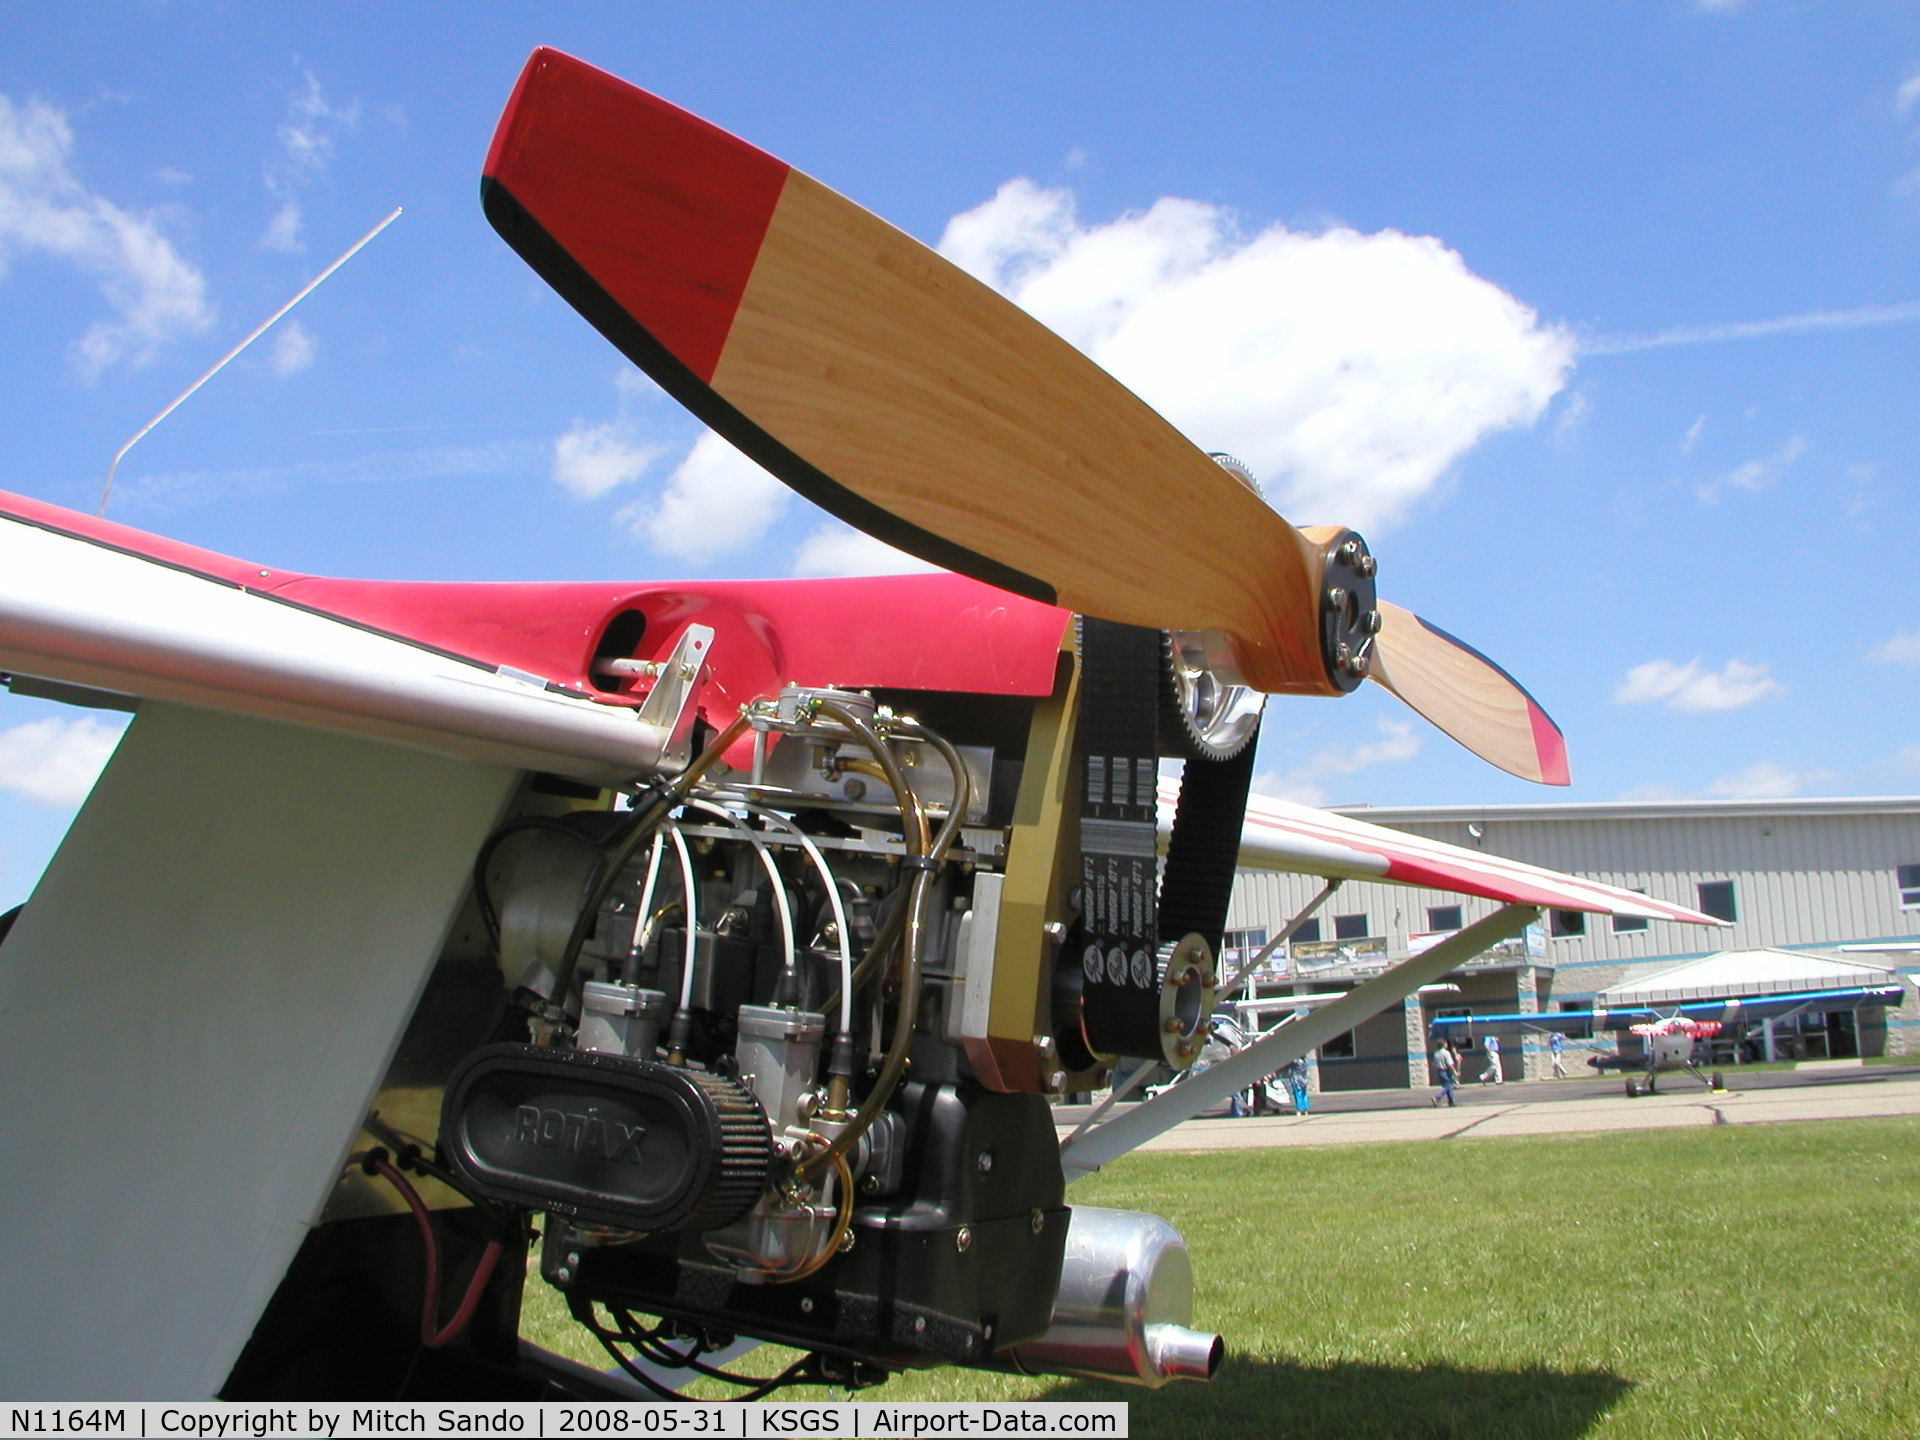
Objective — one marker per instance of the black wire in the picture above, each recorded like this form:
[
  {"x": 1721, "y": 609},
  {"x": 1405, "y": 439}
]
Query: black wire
[
  {"x": 792, "y": 1375},
  {"x": 606, "y": 1343},
  {"x": 670, "y": 1359},
  {"x": 654, "y": 1345},
  {"x": 652, "y": 1342},
  {"x": 582, "y": 1309}
]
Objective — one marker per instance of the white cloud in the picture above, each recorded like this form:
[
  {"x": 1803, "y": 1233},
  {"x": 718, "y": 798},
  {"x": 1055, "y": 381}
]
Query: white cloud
[
  {"x": 590, "y": 460},
  {"x": 45, "y": 210},
  {"x": 56, "y": 761},
  {"x": 1692, "y": 437},
  {"x": 1908, "y": 95},
  {"x": 1349, "y": 370},
  {"x": 1572, "y": 415},
  {"x": 1693, "y": 690},
  {"x": 1652, "y": 793},
  {"x": 1902, "y": 649},
  {"x": 1398, "y": 742},
  {"x": 716, "y": 501},
  {"x": 1755, "y": 474},
  {"x": 283, "y": 230},
  {"x": 293, "y": 349},
  {"x": 1765, "y": 781},
  {"x": 306, "y": 139},
  {"x": 836, "y": 549}
]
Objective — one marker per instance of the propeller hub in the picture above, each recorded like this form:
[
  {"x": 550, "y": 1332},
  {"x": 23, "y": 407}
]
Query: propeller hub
[{"x": 1349, "y": 618}]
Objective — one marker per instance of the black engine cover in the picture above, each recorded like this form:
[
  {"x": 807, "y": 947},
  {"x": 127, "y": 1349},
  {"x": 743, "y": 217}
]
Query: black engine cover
[
  {"x": 605, "y": 1140},
  {"x": 964, "y": 1263}
]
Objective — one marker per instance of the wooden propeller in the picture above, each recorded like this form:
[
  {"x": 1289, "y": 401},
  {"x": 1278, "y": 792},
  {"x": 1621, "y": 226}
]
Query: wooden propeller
[{"x": 899, "y": 393}]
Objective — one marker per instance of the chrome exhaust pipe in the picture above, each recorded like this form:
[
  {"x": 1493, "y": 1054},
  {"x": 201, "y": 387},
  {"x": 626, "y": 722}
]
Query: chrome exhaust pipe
[{"x": 1126, "y": 1295}]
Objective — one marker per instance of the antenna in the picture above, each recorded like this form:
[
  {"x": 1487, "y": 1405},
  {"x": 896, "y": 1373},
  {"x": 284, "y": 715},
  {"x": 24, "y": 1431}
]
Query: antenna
[{"x": 264, "y": 326}]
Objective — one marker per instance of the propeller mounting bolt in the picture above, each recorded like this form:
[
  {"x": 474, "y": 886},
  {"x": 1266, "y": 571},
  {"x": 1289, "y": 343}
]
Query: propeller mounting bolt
[
  {"x": 1372, "y": 622},
  {"x": 1336, "y": 598},
  {"x": 1366, "y": 565}
]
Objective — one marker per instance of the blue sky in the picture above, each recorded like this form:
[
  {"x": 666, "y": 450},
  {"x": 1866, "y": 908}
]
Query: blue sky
[{"x": 1601, "y": 322}]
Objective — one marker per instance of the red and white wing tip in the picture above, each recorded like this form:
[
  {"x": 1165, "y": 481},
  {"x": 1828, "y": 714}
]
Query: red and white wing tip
[
  {"x": 1698, "y": 1029},
  {"x": 1283, "y": 835}
]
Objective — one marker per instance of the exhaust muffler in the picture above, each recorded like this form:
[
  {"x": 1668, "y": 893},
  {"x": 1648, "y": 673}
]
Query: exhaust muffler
[{"x": 1126, "y": 1295}]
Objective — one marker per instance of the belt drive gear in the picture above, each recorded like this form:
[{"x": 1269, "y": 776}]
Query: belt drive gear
[{"x": 1140, "y": 997}]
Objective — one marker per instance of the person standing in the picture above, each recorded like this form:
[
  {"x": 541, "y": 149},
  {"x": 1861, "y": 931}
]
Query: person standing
[
  {"x": 1556, "y": 1046},
  {"x": 1297, "y": 1080},
  {"x": 1493, "y": 1075},
  {"x": 1446, "y": 1066}
]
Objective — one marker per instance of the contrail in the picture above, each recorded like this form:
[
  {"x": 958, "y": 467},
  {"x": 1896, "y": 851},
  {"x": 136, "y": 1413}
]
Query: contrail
[
  {"x": 106, "y": 490},
  {"x": 1808, "y": 323}
]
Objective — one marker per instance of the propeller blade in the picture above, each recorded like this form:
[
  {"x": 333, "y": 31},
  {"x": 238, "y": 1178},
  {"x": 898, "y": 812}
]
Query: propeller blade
[
  {"x": 921, "y": 406},
  {"x": 884, "y": 383},
  {"x": 1468, "y": 696}
]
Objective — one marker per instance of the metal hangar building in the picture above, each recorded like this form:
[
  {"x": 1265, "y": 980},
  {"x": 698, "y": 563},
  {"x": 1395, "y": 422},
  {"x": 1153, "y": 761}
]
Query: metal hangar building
[{"x": 1817, "y": 960}]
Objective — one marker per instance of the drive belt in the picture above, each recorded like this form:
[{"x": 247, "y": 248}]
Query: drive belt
[
  {"x": 1120, "y": 762},
  {"x": 1128, "y": 904},
  {"x": 1203, "y": 854}
]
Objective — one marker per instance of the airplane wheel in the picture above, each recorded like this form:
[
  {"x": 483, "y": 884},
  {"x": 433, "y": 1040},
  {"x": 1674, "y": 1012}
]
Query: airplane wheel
[{"x": 1633, "y": 1089}]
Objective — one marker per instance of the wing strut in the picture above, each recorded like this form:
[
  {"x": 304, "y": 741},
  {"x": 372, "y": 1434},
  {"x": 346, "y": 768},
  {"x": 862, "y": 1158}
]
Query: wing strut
[
  {"x": 1087, "y": 1152},
  {"x": 1250, "y": 967}
]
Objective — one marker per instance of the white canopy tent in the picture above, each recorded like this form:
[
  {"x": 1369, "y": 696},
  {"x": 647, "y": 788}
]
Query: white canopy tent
[
  {"x": 1765, "y": 985},
  {"x": 1744, "y": 975}
]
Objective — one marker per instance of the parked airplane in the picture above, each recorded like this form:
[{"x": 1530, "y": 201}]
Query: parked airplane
[{"x": 1669, "y": 1046}]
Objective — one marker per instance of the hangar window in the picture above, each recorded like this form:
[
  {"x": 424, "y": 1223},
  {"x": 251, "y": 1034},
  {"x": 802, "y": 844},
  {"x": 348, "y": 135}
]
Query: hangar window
[
  {"x": 1340, "y": 1047},
  {"x": 1238, "y": 947},
  {"x": 1443, "y": 917},
  {"x": 1624, "y": 923},
  {"x": 1568, "y": 923},
  {"x": 1308, "y": 933},
  {"x": 1909, "y": 876},
  {"x": 1716, "y": 899},
  {"x": 1349, "y": 927},
  {"x": 1573, "y": 1029}
]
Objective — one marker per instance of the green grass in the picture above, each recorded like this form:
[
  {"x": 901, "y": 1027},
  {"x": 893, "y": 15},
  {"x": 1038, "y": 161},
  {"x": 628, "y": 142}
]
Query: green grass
[{"x": 1737, "y": 1281}]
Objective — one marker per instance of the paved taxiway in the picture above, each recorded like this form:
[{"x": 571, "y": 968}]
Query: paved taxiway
[{"x": 1558, "y": 1107}]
